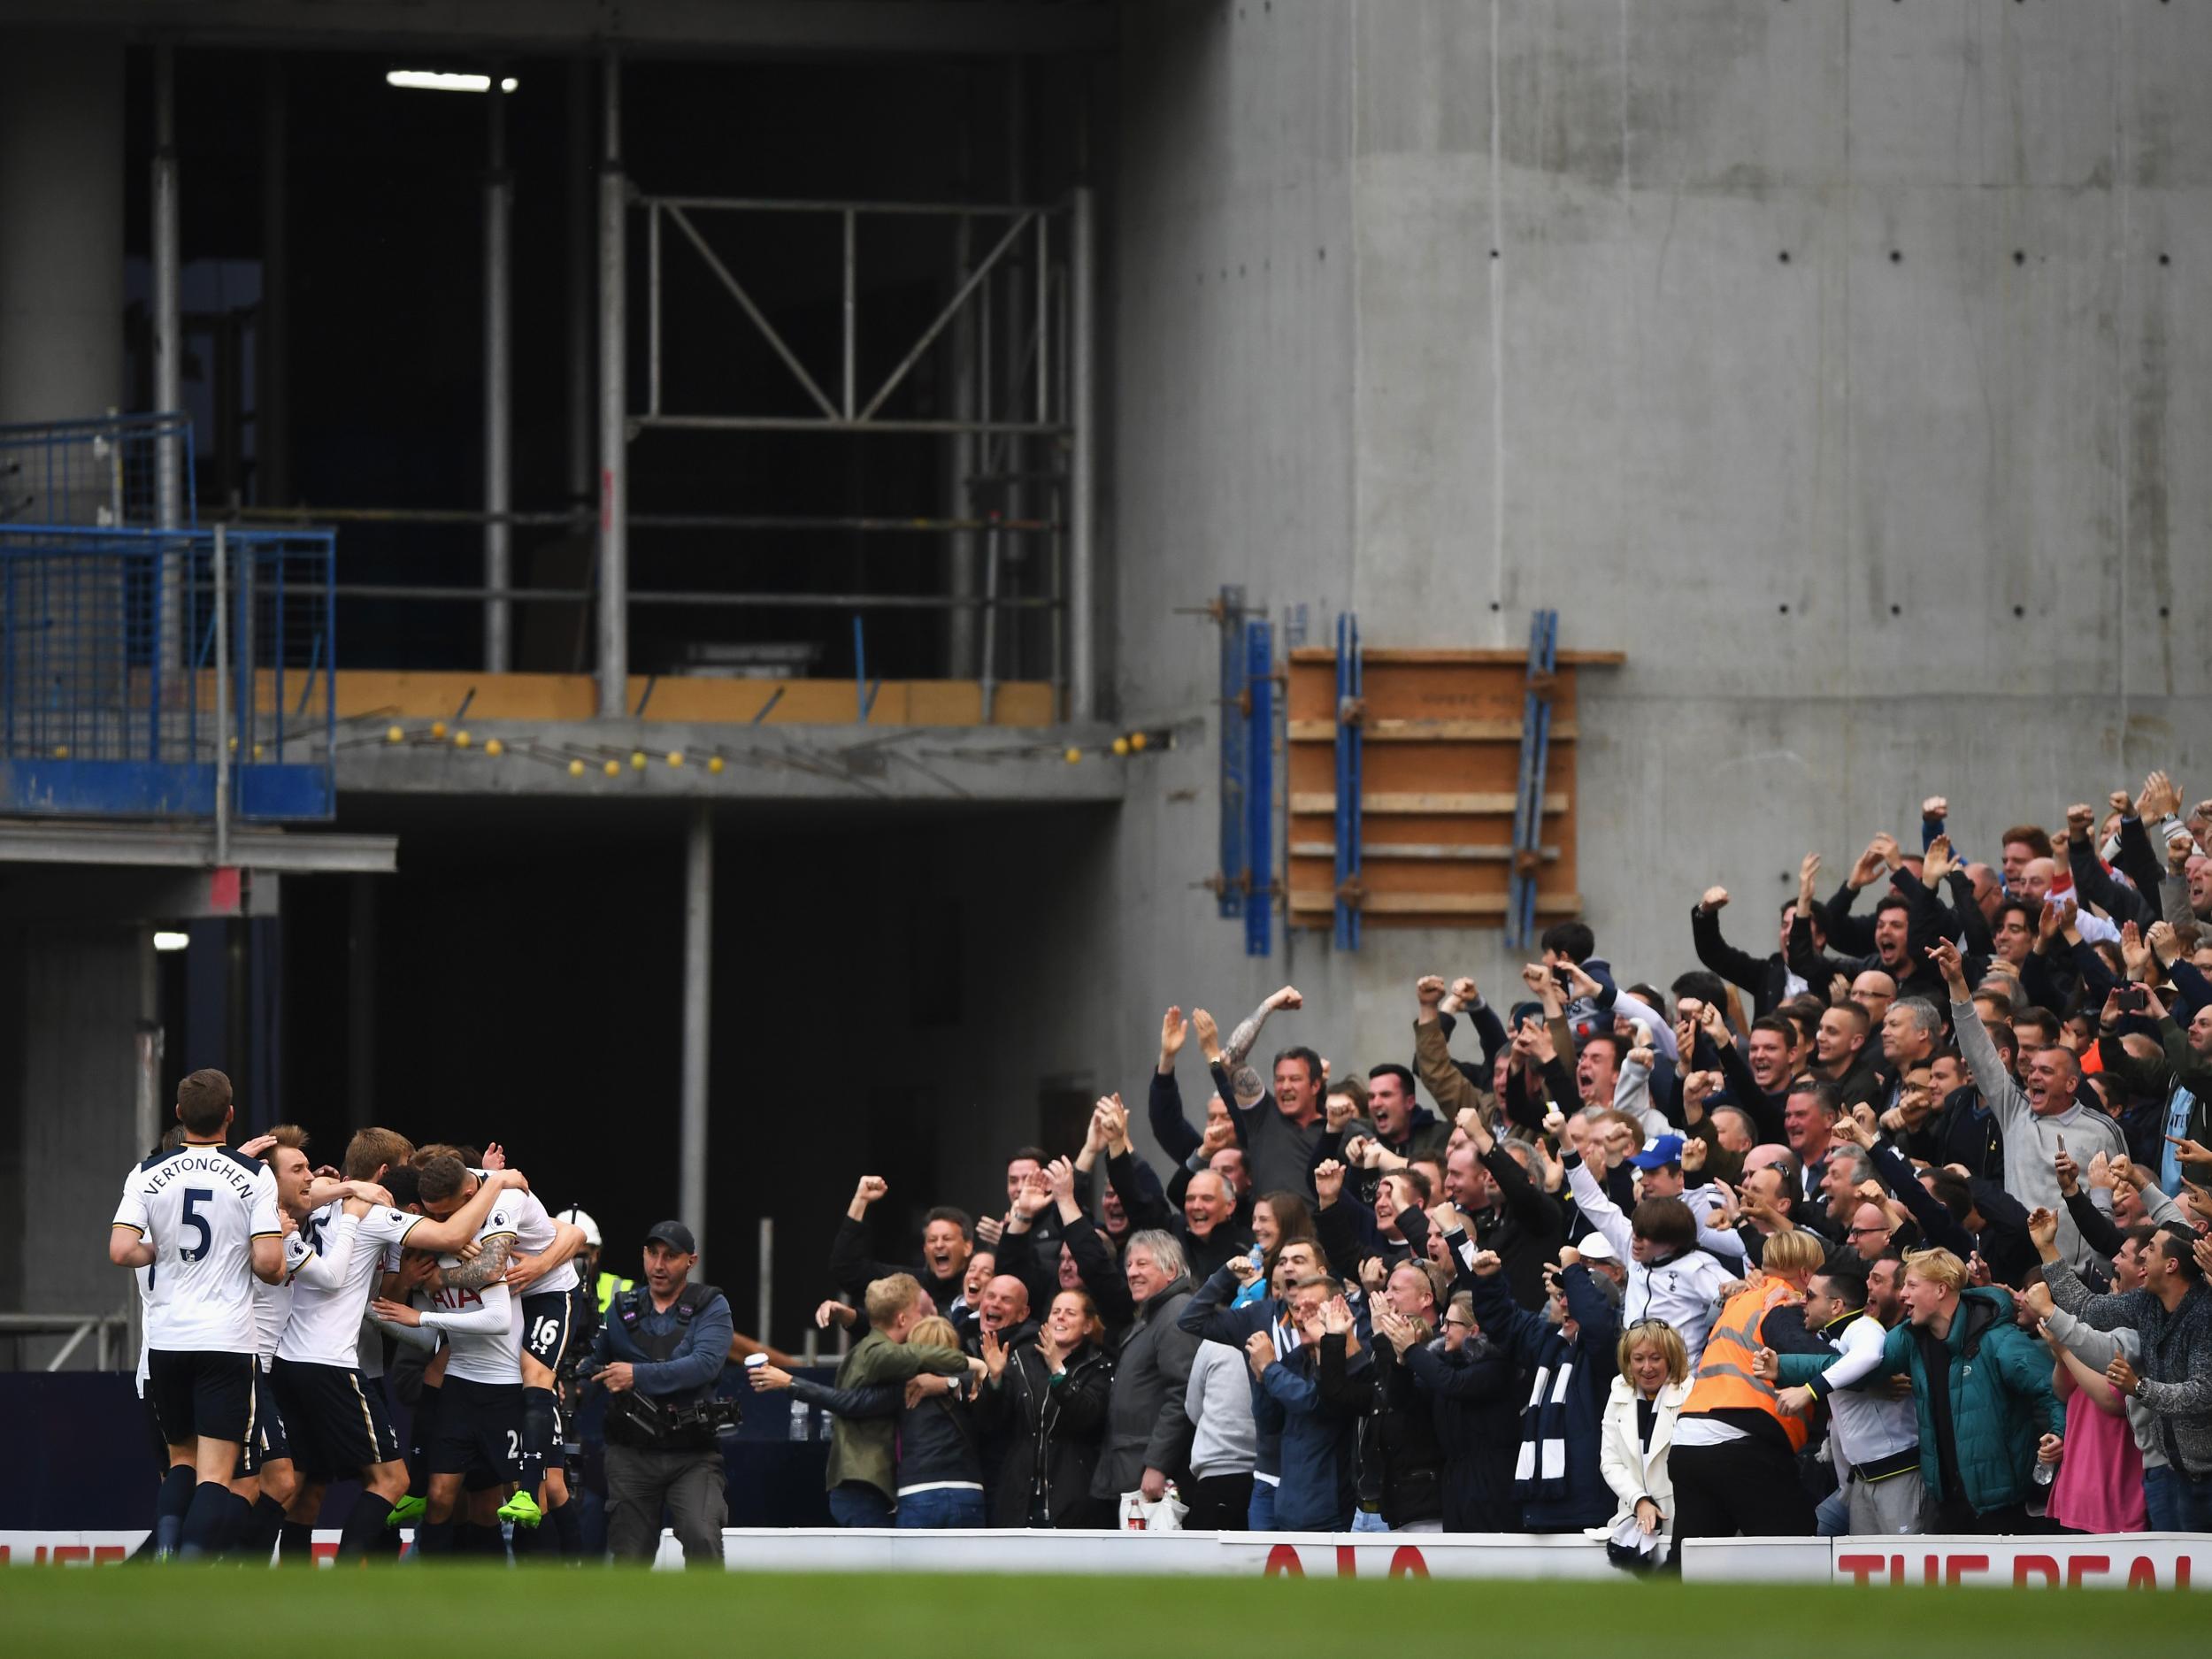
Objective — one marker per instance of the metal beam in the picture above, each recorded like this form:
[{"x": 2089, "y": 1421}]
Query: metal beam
[
  {"x": 68, "y": 842},
  {"x": 223, "y": 740},
  {"x": 745, "y": 302},
  {"x": 1083, "y": 415},
  {"x": 691, "y": 1162},
  {"x": 781, "y": 423},
  {"x": 273, "y": 335},
  {"x": 499, "y": 197},
  {"x": 954, "y": 766},
  {"x": 168, "y": 330},
  {"x": 643, "y": 28},
  {"x": 614, "y": 431},
  {"x": 583, "y": 278}
]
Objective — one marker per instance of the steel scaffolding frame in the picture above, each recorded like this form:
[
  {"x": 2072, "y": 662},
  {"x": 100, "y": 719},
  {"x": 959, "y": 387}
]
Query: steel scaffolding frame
[{"x": 1048, "y": 390}]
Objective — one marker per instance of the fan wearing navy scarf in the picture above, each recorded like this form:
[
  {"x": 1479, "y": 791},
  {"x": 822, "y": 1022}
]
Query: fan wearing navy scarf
[{"x": 1567, "y": 1354}]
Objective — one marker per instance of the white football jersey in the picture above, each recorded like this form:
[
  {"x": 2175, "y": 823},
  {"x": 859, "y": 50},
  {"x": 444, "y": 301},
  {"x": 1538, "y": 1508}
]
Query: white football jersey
[
  {"x": 272, "y": 1303},
  {"x": 368, "y": 1342},
  {"x": 482, "y": 1328},
  {"x": 324, "y": 1326},
  {"x": 201, "y": 1207},
  {"x": 533, "y": 1236}
]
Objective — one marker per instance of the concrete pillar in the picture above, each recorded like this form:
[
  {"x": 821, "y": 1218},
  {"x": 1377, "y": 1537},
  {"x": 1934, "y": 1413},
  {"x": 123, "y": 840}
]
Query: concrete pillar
[
  {"x": 361, "y": 1003},
  {"x": 61, "y": 207},
  {"x": 691, "y": 1160},
  {"x": 79, "y": 1082}
]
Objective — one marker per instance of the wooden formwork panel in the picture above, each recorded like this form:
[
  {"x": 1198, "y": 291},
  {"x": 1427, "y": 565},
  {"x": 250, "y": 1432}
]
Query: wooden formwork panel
[{"x": 1440, "y": 759}]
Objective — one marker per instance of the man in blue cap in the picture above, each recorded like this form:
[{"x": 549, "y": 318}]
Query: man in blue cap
[{"x": 1661, "y": 1162}]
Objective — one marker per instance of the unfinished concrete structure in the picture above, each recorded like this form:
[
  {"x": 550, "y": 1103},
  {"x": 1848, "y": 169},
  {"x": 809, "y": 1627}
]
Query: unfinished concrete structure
[{"x": 1832, "y": 361}]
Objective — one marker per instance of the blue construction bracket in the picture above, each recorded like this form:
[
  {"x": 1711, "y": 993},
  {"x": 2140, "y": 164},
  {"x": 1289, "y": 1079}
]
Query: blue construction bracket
[
  {"x": 1228, "y": 615},
  {"x": 863, "y": 692},
  {"x": 1528, "y": 802},
  {"x": 1259, "y": 787},
  {"x": 1351, "y": 715}
]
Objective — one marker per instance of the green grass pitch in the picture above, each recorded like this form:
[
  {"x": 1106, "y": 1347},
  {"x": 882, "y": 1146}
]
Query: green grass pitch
[{"x": 168, "y": 1611}]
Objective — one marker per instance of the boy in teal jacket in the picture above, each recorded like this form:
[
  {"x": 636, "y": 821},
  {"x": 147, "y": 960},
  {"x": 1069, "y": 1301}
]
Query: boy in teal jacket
[{"x": 1983, "y": 1386}]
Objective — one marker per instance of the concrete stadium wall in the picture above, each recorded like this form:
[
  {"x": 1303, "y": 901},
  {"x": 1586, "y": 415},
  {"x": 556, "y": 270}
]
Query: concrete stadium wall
[
  {"x": 1915, "y": 510},
  {"x": 61, "y": 171},
  {"x": 69, "y": 1009},
  {"x": 1867, "y": 526}
]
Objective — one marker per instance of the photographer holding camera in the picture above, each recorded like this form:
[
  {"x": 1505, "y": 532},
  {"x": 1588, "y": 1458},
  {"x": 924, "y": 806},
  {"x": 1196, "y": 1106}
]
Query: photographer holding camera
[{"x": 658, "y": 1356}]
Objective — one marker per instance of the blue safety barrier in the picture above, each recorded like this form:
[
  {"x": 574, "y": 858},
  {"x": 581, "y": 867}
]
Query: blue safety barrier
[{"x": 107, "y": 662}]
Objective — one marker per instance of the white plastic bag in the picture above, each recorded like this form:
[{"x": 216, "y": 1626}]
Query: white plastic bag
[
  {"x": 1139, "y": 1513},
  {"x": 1630, "y": 1547}
]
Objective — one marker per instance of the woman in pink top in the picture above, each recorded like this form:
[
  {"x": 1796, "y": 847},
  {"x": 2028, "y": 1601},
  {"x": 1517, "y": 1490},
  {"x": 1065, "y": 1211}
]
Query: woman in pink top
[{"x": 2100, "y": 1483}]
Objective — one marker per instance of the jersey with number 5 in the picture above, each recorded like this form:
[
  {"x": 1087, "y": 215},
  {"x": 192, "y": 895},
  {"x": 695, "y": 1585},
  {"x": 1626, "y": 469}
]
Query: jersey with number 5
[{"x": 201, "y": 1207}]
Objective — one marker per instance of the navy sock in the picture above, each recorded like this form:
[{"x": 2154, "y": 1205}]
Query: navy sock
[
  {"x": 435, "y": 1538},
  {"x": 268, "y": 1527},
  {"x": 568, "y": 1526},
  {"x": 206, "y": 1519},
  {"x": 295, "y": 1545},
  {"x": 238, "y": 1528},
  {"x": 170, "y": 1503},
  {"x": 541, "y": 1435},
  {"x": 525, "y": 1539},
  {"x": 363, "y": 1527}
]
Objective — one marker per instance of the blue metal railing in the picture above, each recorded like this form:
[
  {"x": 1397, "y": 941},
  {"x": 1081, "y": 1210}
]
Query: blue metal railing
[
  {"x": 112, "y": 472},
  {"x": 1528, "y": 798},
  {"x": 107, "y": 653},
  {"x": 1351, "y": 715}
]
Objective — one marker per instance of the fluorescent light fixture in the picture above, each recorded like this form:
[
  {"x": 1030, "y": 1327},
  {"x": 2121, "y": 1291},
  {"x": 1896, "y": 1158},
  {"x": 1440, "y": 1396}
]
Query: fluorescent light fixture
[
  {"x": 172, "y": 941},
  {"x": 439, "y": 81}
]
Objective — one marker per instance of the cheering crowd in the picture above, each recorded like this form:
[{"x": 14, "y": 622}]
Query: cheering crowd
[{"x": 1898, "y": 1226}]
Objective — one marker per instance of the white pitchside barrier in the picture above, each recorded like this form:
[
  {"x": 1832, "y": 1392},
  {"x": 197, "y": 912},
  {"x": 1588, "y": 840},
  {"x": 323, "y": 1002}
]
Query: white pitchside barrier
[{"x": 2143, "y": 1561}]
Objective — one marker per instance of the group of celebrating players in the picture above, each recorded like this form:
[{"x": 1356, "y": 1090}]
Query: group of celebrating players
[{"x": 269, "y": 1290}]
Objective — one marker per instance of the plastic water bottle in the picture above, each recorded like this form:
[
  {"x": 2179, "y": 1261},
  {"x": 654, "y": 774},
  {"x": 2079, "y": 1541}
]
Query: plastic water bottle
[
  {"x": 802, "y": 1420},
  {"x": 2045, "y": 1473}
]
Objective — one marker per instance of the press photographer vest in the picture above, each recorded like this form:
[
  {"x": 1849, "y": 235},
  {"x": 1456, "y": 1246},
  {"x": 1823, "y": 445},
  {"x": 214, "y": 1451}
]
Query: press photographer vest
[{"x": 624, "y": 1409}]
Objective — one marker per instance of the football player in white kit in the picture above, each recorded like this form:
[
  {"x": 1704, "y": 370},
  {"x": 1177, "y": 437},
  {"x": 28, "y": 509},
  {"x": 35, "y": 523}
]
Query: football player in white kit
[
  {"x": 174, "y": 1495},
  {"x": 205, "y": 1218},
  {"x": 337, "y": 1427},
  {"x": 266, "y": 1478},
  {"x": 480, "y": 1416},
  {"x": 541, "y": 1275}
]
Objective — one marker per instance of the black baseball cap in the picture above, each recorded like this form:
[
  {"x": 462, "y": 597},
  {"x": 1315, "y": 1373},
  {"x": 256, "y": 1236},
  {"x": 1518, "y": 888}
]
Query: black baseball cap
[{"x": 675, "y": 1235}]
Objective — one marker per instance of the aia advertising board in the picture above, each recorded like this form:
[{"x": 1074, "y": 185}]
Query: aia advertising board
[{"x": 2131, "y": 1561}]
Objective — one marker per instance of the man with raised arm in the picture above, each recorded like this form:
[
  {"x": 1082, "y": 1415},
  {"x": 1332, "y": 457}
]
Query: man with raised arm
[
  {"x": 2039, "y": 1119},
  {"x": 1280, "y": 1130}
]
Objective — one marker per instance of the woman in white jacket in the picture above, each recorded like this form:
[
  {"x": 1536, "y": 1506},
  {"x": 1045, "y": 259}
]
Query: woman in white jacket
[{"x": 1648, "y": 1394}]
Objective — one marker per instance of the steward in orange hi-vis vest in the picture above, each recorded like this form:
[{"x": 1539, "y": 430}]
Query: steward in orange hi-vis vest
[{"x": 1724, "y": 1382}]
